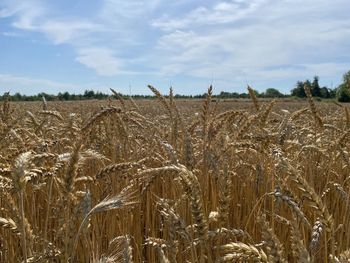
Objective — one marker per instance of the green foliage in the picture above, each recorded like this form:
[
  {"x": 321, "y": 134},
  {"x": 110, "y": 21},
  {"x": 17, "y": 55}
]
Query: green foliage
[
  {"x": 315, "y": 87},
  {"x": 325, "y": 93},
  {"x": 65, "y": 96},
  {"x": 346, "y": 78},
  {"x": 299, "y": 91},
  {"x": 316, "y": 90},
  {"x": 272, "y": 93},
  {"x": 343, "y": 91},
  {"x": 232, "y": 95}
]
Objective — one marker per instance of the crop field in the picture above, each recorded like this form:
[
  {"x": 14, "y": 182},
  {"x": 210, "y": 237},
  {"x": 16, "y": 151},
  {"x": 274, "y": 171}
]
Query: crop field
[{"x": 168, "y": 180}]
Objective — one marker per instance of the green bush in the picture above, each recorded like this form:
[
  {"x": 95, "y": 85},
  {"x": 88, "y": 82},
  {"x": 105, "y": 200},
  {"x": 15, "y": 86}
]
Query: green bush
[{"x": 343, "y": 93}]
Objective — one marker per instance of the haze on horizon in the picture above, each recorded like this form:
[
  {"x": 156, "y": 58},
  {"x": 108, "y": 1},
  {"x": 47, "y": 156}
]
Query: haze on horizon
[{"x": 56, "y": 46}]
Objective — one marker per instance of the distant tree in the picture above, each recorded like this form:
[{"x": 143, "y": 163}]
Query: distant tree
[
  {"x": 307, "y": 83},
  {"x": 315, "y": 87},
  {"x": 299, "y": 91},
  {"x": 343, "y": 93},
  {"x": 272, "y": 93},
  {"x": 224, "y": 95},
  {"x": 17, "y": 97},
  {"x": 244, "y": 95},
  {"x": 343, "y": 90},
  {"x": 228, "y": 95},
  {"x": 99, "y": 95},
  {"x": 346, "y": 78},
  {"x": 257, "y": 94},
  {"x": 316, "y": 90},
  {"x": 325, "y": 93},
  {"x": 89, "y": 94},
  {"x": 60, "y": 96},
  {"x": 66, "y": 96},
  {"x": 332, "y": 93}
]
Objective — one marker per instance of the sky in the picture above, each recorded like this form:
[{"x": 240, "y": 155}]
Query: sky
[{"x": 55, "y": 46}]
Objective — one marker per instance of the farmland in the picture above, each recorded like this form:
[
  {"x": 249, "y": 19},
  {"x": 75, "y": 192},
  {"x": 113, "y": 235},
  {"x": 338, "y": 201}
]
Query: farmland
[{"x": 168, "y": 180}]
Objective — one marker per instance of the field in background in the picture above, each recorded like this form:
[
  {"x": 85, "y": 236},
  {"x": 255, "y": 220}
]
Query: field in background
[
  {"x": 87, "y": 108},
  {"x": 174, "y": 181}
]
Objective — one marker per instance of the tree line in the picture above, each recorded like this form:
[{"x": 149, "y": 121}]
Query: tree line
[{"x": 341, "y": 93}]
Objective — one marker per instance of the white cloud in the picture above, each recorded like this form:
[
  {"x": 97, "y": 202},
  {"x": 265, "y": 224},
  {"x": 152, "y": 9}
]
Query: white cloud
[
  {"x": 7, "y": 12},
  {"x": 11, "y": 34},
  {"x": 100, "y": 59},
  {"x": 252, "y": 40},
  {"x": 75, "y": 31},
  {"x": 304, "y": 71},
  {"x": 67, "y": 31},
  {"x": 10, "y": 8},
  {"x": 8, "y": 79},
  {"x": 27, "y": 12},
  {"x": 221, "y": 13},
  {"x": 25, "y": 85},
  {"x": 35, "y": 16},
  {"x": 32, "y": 85}
]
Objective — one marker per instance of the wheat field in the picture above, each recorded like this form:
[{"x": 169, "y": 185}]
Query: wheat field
[{"x": 166, "y": 180}]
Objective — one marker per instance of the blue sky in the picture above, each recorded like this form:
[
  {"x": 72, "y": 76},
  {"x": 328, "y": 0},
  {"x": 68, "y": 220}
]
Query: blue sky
[{"x": 65, "y": 45}]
